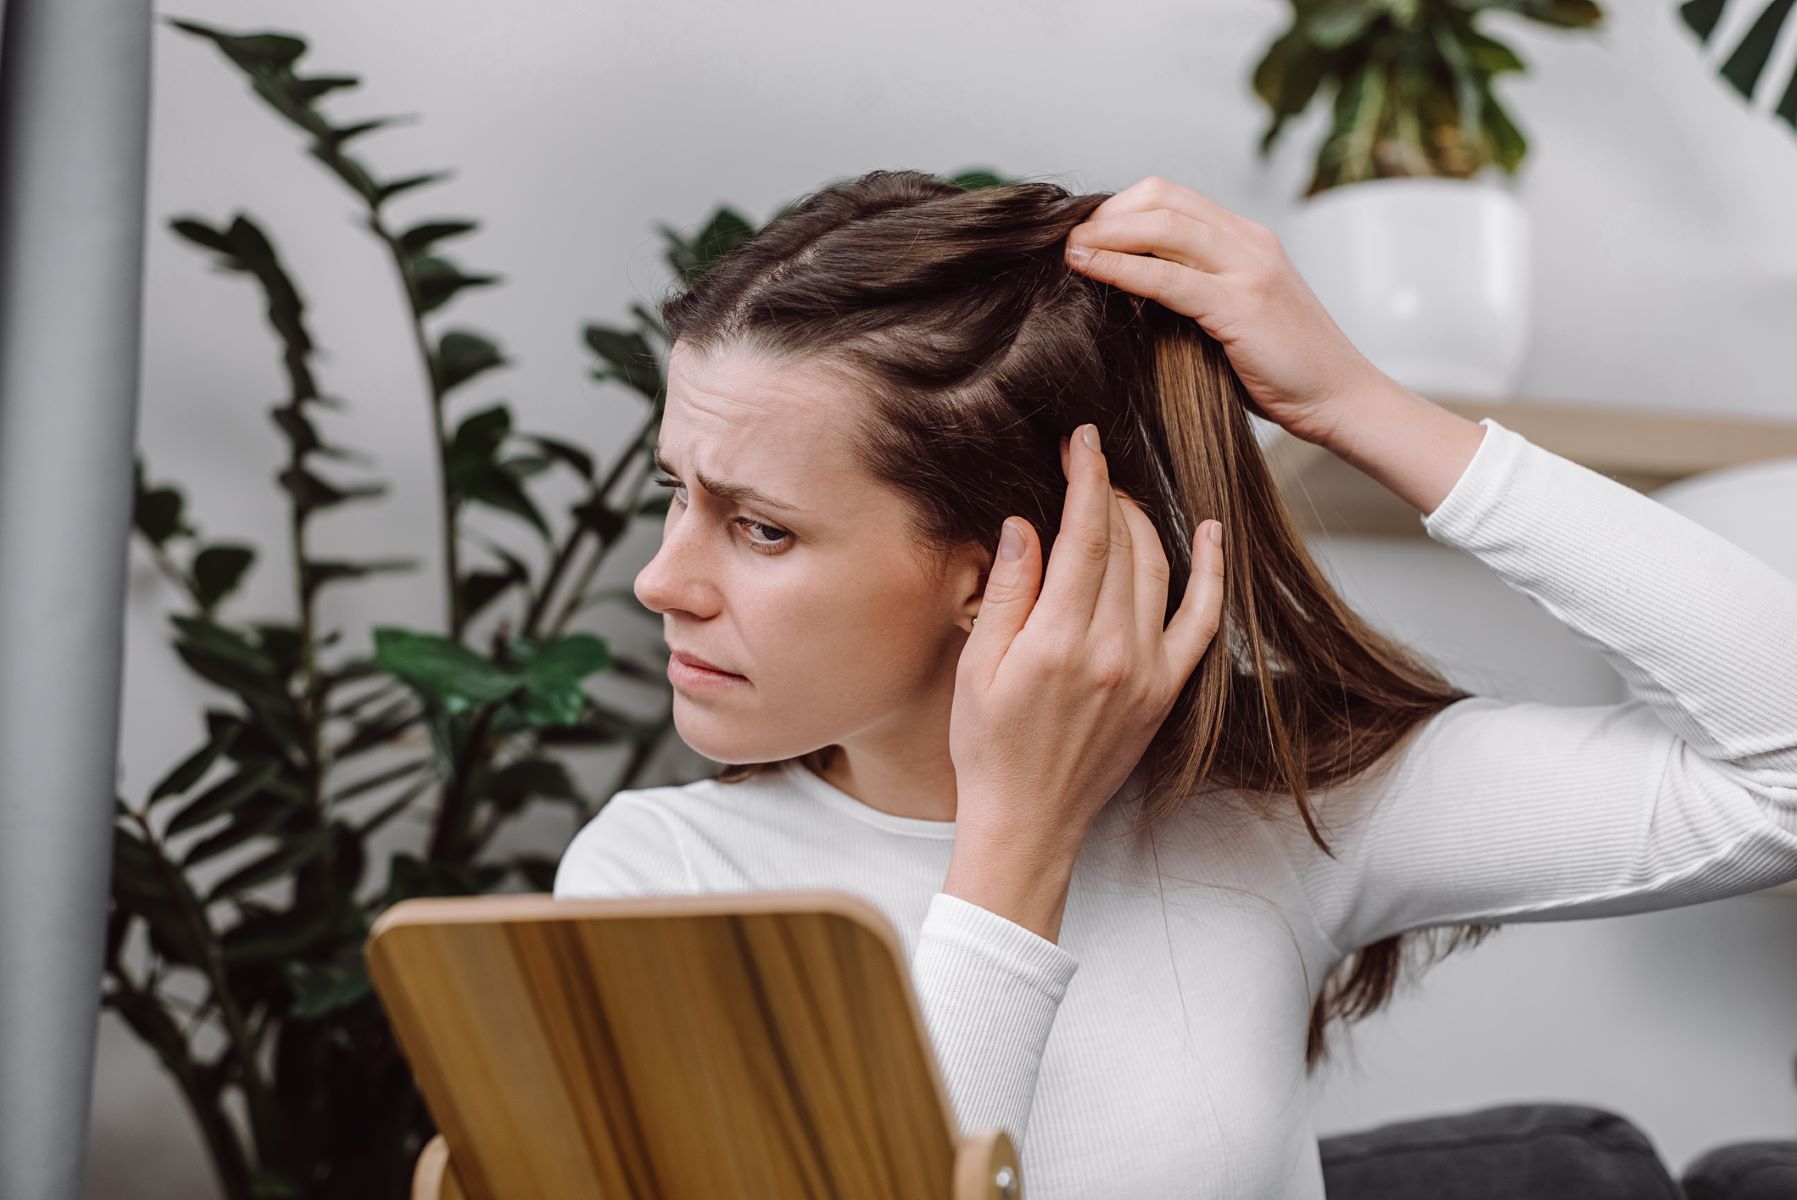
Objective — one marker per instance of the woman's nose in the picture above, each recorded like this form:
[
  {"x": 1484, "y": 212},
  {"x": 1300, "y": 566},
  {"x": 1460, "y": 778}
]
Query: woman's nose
[{"x": 677, "y": 576}]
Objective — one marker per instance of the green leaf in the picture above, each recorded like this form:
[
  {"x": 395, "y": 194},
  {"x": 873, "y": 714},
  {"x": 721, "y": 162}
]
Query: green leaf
[
  {"x": 573, "y": 455},
  {"x": 293, "y": 854},
  {"x": 249, "y": 740},
  {"x": 316, "y": 572},
  {"x": 202, "y": 234},
  {"x": 259, "y": 51},
  {"x": 516, "y": 784},
  {"x": 496, "y": 488},
  {"x": 135, "y": 874},
  {"x": 606, "y": 523},
  {"x": 320, "y": 989},
  {"x": 408, "y": 876},
  {"x": 228, "y": 648},
  {"x": 386, "y": 725},
  {"x": 218, "y": 571},
  {"x": 1491, "y": 57},
  {"x": 172, "y": 934},
  {"x": 422, "y": 237},
  {"x": 978, "y": 180},
  {"x": 691, "y": 260},
  {"x": 631, "y": 360},
  {"x": 565, "y": 660},
  {"x": 1287, "y": 79},
  {"x": 387, "y": 191},
  {"x": 263, "y": 814},
  {"x": 380, "y": 779},
  {"x": 443, "y": 669},
  {"x": 478, "y": 438},
  {"x": 311, "y": 493},
  {"x": 223, "y": 797},
  {"x": 305, "y": 91},
  {"x": 194, "y": 766},
  {"x": 1508, "y": 146},
  {"x": 156, "y": 512},
  {"x": 435, "y": 281},
  {"x": 265, "y": 937},
  {"x": 1566, "y": 13},
  {"x": 460, "y": 357},
  {"x": 330, "y": 141},
  {"x": 393, "y": 808}
]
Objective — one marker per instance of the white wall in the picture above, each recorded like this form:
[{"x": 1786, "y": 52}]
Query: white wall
[{"x": 1666, "y": 269}]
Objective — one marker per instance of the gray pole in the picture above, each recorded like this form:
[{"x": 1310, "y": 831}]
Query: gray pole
[{"x": 74, "y": 131}]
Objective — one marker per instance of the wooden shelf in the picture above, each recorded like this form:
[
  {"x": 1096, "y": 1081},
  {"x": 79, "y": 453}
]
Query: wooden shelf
[{"x": 1642, "y": 448}]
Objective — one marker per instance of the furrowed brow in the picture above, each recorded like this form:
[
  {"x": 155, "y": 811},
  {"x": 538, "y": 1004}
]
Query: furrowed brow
[{"x": 736, "y": 493}]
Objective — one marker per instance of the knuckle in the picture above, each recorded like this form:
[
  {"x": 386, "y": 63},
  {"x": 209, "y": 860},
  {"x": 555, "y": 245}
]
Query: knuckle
[
  {"x": 1092, "y": 545},
  {"x": 1108, "y": 669}
]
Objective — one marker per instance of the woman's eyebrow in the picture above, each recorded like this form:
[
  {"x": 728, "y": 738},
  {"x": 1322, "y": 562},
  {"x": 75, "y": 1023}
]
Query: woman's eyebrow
[{"x": 736, "y": 493}]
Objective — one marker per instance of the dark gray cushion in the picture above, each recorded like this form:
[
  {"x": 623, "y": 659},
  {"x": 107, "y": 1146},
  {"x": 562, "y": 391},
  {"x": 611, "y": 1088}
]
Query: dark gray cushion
[
  {"x": 1507, "y": 1152},
  {"x": 1744, "y": 1171}
]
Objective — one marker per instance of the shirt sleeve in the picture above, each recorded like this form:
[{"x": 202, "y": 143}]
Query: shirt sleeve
[
  {"x": 627, "y": 849},
  {"x": 989, "y": 990},
  {"x": 1684, "y": 792}
]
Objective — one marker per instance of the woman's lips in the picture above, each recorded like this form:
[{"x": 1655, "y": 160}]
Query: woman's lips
[{"x": 686, "y": 671}]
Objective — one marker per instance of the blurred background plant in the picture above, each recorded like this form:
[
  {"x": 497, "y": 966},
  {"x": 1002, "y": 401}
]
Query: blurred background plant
[
  {"x": 1412, "y": 82},
  {"x": 286, "y": 1059}
]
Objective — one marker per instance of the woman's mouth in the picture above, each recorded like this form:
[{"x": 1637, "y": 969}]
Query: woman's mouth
[{"x": 686, "y": 671}]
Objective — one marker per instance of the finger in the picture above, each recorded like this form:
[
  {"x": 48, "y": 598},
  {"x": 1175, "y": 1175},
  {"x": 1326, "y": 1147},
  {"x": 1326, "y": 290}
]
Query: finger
[
  {"x": 1166, "y": 234},
  {"x": 1082, "y": 548},
  {"x": 1114, "y": 611},
  {"x": 1010, "y": 594},
  {"x": 1154, "y": 192},
  {"x": 1193, "y": 293},
  {"x": 1200, "y": 613},
  {"x": 1152, "y": 572}
]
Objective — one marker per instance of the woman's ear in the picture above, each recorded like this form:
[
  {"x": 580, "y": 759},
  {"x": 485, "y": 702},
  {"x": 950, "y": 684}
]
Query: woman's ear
[{"x": 967, "y": 583}]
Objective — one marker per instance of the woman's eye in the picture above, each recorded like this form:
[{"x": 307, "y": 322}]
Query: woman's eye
[{"x": 780, "y": 537}]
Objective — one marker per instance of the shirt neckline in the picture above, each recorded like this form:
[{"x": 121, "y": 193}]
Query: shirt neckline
[{"x": 827, "y": 793}]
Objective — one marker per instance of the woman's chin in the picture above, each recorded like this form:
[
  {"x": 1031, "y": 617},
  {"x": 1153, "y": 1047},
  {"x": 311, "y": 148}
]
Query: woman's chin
[{"x": 705, "y": 735}]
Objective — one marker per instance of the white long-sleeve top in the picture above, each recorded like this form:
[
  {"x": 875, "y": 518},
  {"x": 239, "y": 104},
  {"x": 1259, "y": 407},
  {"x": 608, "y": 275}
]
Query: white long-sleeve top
[{"x": 1157, "y": 1048}]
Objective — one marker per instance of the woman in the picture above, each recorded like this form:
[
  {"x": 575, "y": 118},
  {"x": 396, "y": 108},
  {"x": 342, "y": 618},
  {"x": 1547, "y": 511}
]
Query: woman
[{"x": 1185, "y": 770}]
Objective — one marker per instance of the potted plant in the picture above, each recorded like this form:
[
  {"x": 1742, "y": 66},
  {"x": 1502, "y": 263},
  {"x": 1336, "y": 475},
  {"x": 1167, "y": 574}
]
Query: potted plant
[{"x": 1409, "y": 230}]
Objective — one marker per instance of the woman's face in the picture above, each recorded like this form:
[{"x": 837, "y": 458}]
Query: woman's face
[{"x": 814, "y": 594}]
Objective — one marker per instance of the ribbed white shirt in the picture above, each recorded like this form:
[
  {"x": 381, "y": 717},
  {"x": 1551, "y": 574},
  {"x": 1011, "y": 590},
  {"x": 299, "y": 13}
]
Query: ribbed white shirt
[{"x": 1157, "y": 1048}]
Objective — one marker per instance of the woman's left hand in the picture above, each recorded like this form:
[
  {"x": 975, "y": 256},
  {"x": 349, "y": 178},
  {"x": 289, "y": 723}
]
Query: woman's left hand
[{"x": 1189, "y": 253}]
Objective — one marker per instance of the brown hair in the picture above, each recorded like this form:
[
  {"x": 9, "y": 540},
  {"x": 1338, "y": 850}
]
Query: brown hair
[{"x": 951, "y": 311}]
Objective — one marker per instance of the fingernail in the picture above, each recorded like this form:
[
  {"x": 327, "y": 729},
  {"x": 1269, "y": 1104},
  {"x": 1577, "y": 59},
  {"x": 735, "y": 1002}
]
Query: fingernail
[
  {"x": 1010, "y": 542},
  {"x": 1078, "y": 256},
  {"x": 1216, "y": 533},
  {"x": 1090, "y": 433}
]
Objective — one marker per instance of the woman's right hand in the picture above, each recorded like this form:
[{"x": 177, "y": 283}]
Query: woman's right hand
[{"x": 1067, "y": 677}]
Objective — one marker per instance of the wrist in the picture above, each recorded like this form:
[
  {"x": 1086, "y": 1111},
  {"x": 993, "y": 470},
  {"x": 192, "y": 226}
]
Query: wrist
[
  {"x": 1373, "y": 403},
  {"x": 1414, "y": 447},
  {"x": 1016, "y": 879}
]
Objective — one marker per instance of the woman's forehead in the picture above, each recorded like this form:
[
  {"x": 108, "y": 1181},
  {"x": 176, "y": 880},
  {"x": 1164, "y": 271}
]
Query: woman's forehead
[{"x": 779, "y": 427}]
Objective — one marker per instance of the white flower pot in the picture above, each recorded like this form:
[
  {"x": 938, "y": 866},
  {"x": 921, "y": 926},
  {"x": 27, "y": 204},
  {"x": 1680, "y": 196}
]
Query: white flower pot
[{"x": 1428, "y": 277}]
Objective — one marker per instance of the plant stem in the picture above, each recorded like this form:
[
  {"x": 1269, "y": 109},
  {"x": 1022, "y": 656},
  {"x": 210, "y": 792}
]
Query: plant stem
[
  {"x": 265, "y": 1113},
  {"x": 140, "y": 1010},
  {"x": 600, "y": 496}
]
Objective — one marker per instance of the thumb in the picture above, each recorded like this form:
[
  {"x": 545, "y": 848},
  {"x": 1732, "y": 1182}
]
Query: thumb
[{"x": 1011, "y": 587}]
